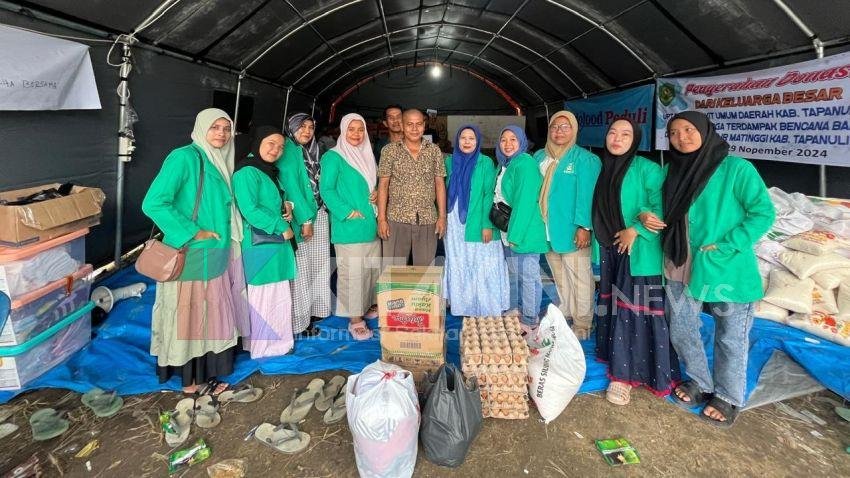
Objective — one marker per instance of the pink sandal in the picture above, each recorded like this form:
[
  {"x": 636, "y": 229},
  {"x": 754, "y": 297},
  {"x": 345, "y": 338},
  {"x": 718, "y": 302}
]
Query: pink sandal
[
  {"x": 372, "y": 313},
  {"x": 359, "y": 331}
]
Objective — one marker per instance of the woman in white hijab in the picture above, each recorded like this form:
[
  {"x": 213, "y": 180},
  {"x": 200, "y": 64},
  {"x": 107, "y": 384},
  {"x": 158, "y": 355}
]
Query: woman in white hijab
[
  {"x": 197, "y": 318},
  {"x": 349, "y": 176}
]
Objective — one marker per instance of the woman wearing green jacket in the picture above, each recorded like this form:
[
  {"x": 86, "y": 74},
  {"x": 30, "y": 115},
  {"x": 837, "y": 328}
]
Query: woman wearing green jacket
[
  {"x": 569, "y": 175},
  {"x": 269, "y": 266},
  {"x": 632, "y": 337},
  {"x": 196, "y": 319},
  {"x": 518, "y": 186},
  {"x": 476, "y": 277},
  {"x": 349, "y": 176},
  {"x": 300, "y": 169},
  {"x": 716, "y": 207}
]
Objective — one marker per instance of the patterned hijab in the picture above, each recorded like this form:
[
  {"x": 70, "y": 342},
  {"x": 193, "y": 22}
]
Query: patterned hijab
[
  {"x": 310, "y": 151},
  {"x": 221, "y": 158}
]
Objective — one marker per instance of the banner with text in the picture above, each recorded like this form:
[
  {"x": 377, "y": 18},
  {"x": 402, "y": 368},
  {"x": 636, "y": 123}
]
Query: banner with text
[
  {"x": 798, "y": 113},
  {"x": 38, "y": 72},
  {"x": 596, "y": 113}
]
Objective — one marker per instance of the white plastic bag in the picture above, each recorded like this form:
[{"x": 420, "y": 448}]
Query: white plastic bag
[
  {"x": 383, "y": 415},
  {"x": 556, "y": 366}
]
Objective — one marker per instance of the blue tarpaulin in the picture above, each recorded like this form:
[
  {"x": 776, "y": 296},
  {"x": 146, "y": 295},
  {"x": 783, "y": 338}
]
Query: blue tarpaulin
[{"x": 118, "y": 358}]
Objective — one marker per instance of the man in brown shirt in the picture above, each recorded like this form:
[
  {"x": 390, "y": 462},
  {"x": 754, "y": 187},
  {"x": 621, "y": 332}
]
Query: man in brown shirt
[{"x": 411, "y": 195}]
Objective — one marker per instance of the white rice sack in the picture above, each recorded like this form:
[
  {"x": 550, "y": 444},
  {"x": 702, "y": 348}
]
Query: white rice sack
[
  {"x": 803, "y": 265},
  {"x": 766, "y": 310},
  {"x": 817, "y": 242},
  {"x": 823, "y": 301},
  {"x": 826, "y": 326},
  {"x": 831, "y": 279},
  {"x": 769, "y": 251},
  {"x": 788, "y": 219},
  {"x": 789, "y": 292},
  {"x": 843, "y": 300}
]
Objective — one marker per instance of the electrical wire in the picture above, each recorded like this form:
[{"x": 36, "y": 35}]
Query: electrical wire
[{"x": 56, "y": 35}]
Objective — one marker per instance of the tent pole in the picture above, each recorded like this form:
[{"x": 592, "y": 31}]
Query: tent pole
[
  {"x": 821, "y": 168},
  {"x": 236, "y": 108},
  {"x": 313, "y": 109},
  {"x": 286, "y": 106},
  {"x": 125, "y": 146},
  {"x": 661, "y": 152}
]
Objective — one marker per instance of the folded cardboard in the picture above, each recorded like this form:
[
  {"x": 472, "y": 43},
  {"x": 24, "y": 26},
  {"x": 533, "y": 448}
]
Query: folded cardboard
[
  {"x": 44, "y": 220},
  {"x": 409, "y": 299}
]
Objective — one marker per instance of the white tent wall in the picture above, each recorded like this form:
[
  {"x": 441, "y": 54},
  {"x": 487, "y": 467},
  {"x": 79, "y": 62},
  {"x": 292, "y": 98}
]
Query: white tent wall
[{"x": 82, "y": 146}]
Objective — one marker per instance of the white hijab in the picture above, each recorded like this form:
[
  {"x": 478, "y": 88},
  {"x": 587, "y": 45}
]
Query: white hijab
[
  {"x": 360, "y": 157},
  {"x": 221, "y": 158}
]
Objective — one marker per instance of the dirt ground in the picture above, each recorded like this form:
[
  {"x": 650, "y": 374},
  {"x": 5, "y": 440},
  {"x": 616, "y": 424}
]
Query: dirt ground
[{"x": 764, "y": 442}]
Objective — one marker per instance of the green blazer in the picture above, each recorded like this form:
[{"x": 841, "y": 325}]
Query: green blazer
[
  {"x": 294, "y": 180},
  {"x": 641, "y": 192},
  {"x": 570, "y": 196},
  {"x": 483, "y": 187},
  {"x": 344, "y": 190},
  {"x": 169, "y": 203},
  {"x": 733, "y": 211},
  {"x": 520, "y": 187},
  {"x": 260, "y": 203}
]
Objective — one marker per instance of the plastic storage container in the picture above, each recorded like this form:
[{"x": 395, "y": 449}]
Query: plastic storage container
[
  {"x": 28, "y": 268},
  {"x": 38, "y": 310},
  {"x": 20, "y": 364}
]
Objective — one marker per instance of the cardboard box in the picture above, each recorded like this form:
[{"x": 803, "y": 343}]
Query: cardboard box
[
  {"x": 40, "y": 221},
  {"x": 413, "y": 347},
  {"x": 410, "y": 299},
  {"x": 418, "y": 368}
]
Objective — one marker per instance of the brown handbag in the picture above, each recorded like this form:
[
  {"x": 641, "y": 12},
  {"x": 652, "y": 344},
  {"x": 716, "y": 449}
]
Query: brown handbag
[{"x": 160, "y": 261}]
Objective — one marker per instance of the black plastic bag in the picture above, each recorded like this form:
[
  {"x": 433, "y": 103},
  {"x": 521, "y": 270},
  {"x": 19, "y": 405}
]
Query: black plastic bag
[{"x": 451, "y": 417}]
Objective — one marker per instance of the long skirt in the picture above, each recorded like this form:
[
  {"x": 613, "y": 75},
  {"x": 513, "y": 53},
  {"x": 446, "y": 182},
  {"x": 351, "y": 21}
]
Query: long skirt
[
  {"x": 476, "y": 274},
  {"x": 270, "y": 311},
  {"x": 632, "y": 335},
  {"x": 196, "y": 324},
  {"x": 358, "y": 268},
  {"x": 311, "y": 290}
]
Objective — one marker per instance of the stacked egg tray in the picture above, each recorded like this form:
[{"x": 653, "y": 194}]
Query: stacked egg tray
[{"x": 493, "y": 351}]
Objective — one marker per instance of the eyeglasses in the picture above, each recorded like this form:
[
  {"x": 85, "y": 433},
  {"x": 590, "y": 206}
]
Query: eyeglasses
[{"x": 561, "y": 128}]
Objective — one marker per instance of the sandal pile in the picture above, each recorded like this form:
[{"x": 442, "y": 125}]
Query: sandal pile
[{"x": 492, "y": 350}]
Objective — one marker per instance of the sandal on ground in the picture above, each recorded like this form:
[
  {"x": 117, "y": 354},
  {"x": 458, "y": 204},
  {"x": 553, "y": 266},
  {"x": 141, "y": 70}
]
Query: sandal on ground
[
  {"x": 243, "y": 394},
  {"x": 206, "y": 412},
  {"x": 526, "y": 329},
  {"x": 729, "y": 412},
  {"x": 329, "y": 393},
  {"x": 360, "y": 331},
  {"x": 103, "y": 404},
  {"x": 618, "y": 393},
  {"x": 372, "y": 313},
  {"x": 302, "y": 401},
  {"x": 7, "y": 429},
  {"x": 690, "y": 389},
  {"x": 337, "y": 411},
  {"x": 211, "y": 386},
  {"x": 48, "y": 423},
  {"x": 181, "y": 422},
  {"x": 285, "y": 438}
]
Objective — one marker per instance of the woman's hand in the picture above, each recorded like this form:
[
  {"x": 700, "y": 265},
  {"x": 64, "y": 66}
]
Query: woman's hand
[
  {"x": 204, "y": 235},
  {"x": 373, "y": 197},
  {"x": 307, "y": 231},
  {"x": 355, "y": 214},
  {"x": 486, "y": 235},
  {"x": 710, "y": 247},
  {"x": 625, "y": 239},
  {"x": 582, "y": 238},
  {"x": 651, "y": 221},
  {"x": 288, "y": 234},
  {"x": 287, "y": 211}
]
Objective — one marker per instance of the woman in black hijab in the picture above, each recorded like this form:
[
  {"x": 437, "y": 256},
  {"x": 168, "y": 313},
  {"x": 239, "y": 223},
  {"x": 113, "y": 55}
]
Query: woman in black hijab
[
  {"x": 716, "y": 208},
  {"x": 632, "y": 335}
]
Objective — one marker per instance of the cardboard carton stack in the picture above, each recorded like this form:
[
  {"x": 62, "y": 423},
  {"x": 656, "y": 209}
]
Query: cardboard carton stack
[
  {"x": 492, "y": 350},
  {"x": 411, "y": 316}
]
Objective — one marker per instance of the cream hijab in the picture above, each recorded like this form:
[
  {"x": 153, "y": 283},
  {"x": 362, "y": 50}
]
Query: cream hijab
[
  {"x": 221, "y": 158},
  {"x": 556, "y": 153},
  {"x": 359, "y": 157}
]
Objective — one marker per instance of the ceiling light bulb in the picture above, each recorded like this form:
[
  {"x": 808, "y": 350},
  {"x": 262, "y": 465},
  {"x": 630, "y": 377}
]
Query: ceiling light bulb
[{"x": 436, "y": 71}]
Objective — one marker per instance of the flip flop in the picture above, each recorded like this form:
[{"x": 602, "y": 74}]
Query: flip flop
[
  {"x": 206, "y": 412},
  {"x": 244, "y": 394},
  {"x": 372, "y": 313},
  {"x": 691, "y": 390},
  {"x": 285, "y": 438},
  {"x": 329, "y": 393},
  {"x": 337, "y": 411},
  {"x": 103, "y": 404},
  {"x": 7, "y": 429},
  {"x": 210, "y": 387},
  {"x": 618, "y": 393},
  {"x": 301, "y": 403},
  {"x": 181, "y": 422},
  {"x": 47, "y": 423},
  {"x": 360, "y": 331},
  {"x": 843, "y": 413}
]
